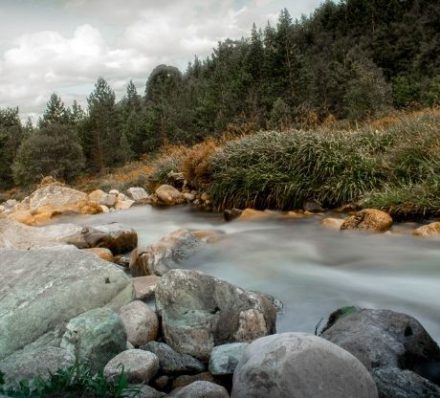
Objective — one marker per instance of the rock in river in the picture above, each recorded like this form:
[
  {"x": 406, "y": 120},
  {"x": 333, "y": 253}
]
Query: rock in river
[{"x": 200, "y": 311}]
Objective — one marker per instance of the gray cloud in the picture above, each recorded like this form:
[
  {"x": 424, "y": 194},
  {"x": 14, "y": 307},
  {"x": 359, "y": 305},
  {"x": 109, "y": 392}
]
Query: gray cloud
[{"x": 63, "y": 46}]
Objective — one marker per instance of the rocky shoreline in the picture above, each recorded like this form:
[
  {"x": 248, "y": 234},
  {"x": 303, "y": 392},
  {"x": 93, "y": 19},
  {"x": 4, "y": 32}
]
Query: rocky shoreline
[{"x": 73, "y": 293}]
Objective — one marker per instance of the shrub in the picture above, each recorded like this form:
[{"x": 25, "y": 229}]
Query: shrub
[{"x": 54, "y": 150}]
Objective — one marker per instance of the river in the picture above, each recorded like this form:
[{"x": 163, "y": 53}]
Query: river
[{"x": 311, "y": 270}]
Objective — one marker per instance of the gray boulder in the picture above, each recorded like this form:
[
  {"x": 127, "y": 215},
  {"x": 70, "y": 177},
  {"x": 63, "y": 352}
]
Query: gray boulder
[
  {"x": 95, "y": 337},
  {"x": 381, "y": 338},
  {"x": 199, "y": 312},
  {"x": 160, "y": 257},
  {"x": 144, "y": 391},
  {"x": 224, "y": 358},
  {"x": 139, "y": 366},
  {"x": 35, "y": 362},
  {"x": 299, "y": 365},
  {"x": 172, "y": 362},
  {"x": 398, "y": 383},
  {"x": 138, "y": 194},
  {"x": 41, "y": 289},
  {"x": 200, "y": 389},
  {"x": 115, "y": 236}
]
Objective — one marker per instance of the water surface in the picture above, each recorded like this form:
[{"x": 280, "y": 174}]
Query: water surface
[{"x": 313, "y": 271}]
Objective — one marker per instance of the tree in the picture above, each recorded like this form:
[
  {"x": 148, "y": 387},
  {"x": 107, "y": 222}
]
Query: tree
[
  {"x": 55, "y": 112},
  {"x": 280, "y": 116},
  {"x": 11, "y": 135},
  {"x": 53, "y": 150}
]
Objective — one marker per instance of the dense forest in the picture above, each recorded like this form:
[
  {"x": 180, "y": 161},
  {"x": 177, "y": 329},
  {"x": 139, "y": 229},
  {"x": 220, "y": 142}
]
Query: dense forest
[{"x": 348, "y": 60}]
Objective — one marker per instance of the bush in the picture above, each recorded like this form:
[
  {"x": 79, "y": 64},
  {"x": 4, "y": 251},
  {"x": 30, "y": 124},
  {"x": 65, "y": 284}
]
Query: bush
[{"x": 53, "y": 150}]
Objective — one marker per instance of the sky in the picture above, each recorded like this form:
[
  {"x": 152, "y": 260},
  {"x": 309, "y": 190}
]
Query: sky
[{"x": 63, "y": 46}]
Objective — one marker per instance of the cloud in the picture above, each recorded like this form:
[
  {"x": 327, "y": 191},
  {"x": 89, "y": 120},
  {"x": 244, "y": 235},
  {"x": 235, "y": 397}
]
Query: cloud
[{"x": 106, "y": 38}]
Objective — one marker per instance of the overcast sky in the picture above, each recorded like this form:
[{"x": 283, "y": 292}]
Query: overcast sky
[{"x": 62, "y": 46}]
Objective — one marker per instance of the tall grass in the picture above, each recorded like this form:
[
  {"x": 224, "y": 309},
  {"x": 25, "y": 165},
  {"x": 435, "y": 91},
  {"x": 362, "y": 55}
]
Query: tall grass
[{"x": 394, "y": 169}]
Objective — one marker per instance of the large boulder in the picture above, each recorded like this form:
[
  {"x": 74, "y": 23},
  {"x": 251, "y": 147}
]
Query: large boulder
[
  {"x": 158, "y": 258},
  {"x": 115, "y": 237},
  {"x": 429, "y": 231},
  {"x": 51, "y": 200},
  {"x": 41, "y": 289},
  {"x": 35, "y": 362},
  {"x": 299, "y": 365},
  {"x": 140, "y": 322},
  {"x": 383, "y": 339},
  {"x": 139, "y": 366},
  {"x": 199, "y": 311},
  {"x": 168, "y": 195},
  {"x": 95, "y": 337},
  {"x": 371, "y": 220},
  {"x": 172, "y": 362},
  {"x": 200, "y": 389},
  {"x": 332, "y": 223}
]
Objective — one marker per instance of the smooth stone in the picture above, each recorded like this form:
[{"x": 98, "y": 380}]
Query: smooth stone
[
  {"x": 144, "y": 391},
  {"x": 139, "y": 366},
  {"x": 140, "y": 322},
  {"x": 300, "y": 365},
  {"x": 185, "y": 380},
  {"x": 370, "y": 220},
  {"x": 172, "y": 362},
  {"x": 138, "y": 194},
  {"x": 101, "y": 252},
  {"x": 332, "y": 223},
  {"x": 428, "y": 231},
  {"x": 200, "y": 389},
  {"x": 169, "y": 195},
  {"x": 145, "y": 286},
  {"x": 95, "y": 337}
]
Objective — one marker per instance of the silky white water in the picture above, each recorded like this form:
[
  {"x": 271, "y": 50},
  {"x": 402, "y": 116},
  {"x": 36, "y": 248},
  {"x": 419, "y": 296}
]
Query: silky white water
[{"x": 311, "y": 270}]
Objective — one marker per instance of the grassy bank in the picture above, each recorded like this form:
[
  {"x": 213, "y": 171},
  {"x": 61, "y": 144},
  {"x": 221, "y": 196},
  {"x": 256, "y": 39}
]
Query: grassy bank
[{"x": 392, "y": 164}]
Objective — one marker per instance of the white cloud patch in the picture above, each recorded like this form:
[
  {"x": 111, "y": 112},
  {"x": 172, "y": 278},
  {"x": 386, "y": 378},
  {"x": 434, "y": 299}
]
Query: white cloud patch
[{"x": 118, "y": 44}]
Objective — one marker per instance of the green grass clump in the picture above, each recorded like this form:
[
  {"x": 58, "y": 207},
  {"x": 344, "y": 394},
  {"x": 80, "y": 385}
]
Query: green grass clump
[
  {"x": 283, "y": 170},
  {"x": 396, "y": 169},
  {"x": 77, "y": 381}
]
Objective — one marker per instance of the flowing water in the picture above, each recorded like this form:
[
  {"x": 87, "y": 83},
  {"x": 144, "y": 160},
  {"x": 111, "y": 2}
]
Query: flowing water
[{"x": 312, "y": 271}]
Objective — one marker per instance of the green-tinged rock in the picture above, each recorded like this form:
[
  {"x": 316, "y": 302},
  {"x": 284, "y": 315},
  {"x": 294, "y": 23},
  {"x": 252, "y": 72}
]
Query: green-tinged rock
[
  {"x": 42, "y": 289},
  {"x": 95, "y": 337},
  {"x": 224, "y": 358}
]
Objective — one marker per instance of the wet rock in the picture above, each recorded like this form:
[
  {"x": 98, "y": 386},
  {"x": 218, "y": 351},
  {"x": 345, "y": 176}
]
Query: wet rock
[
  {"x": 100, "y": 252},
  {"x": 231, "y": 214},
  {"x": 368, "y": 220},
  {"x": 168, "y": 195},
  {"x": 332, "y": 223},
  {"x": 200, "y": 389},
  {"x": 224, "y": 358},
  {"x": 138, "y": 194},
  {"x": 429, "y": 231},
  {"x": 124, "y": 204},
  {"x": 291, "y": 365},
  {"x": 172, "y": 362},
  {"x": 252, "y": 214},
  {"x": 145, "y": 286},
  {"x": 189, "y": 196},
  {"x": 160, "y": 257},
  {"x": 95, "y": 337},
  {"x": 382, "y": 338},
  {"x": 115, "y": 236},
  {"x": 139, "y": 366},
  {"x": 41, "y": 289},
  {"x": 102, "y": 198},
  {"x": 208, "y": 236},
  {"x": 140, "y": 322},
  {"x": 200, "y": 311},
  {"x": 397, "y": 383},
  {"x": 31, "y": 363}
]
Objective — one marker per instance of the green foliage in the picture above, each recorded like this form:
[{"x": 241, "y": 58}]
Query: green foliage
[
  {"x": 53, "y": 150},
  {"x": 77, "y": 381}
]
